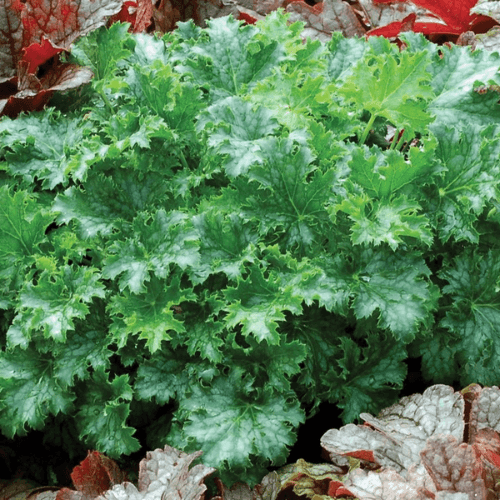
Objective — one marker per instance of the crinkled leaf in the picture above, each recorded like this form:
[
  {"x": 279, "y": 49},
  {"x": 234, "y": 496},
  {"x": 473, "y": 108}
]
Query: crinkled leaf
[
  {"x": 103, "y": 412},
  {"x": 291, "y": 97},
  {"x": 54, "y": 302},
  {"x": 232, "y": 429},
  {"x": 394, "y": 87},
  {"x": 366, "y": 373},
  {"x": 453, "y": 78},
  {"x": 149, "y": 48},
  {"x": 345, "y": 54},
  {"x": 81, "y": 353},
  {"x": 439, "y": 356},
  {"x": 160, "y": 240},
  {"x": 226, "y": 243},
  {"x": 291, "y": 202},
  {"x": 107, "y": 203},
  {"x": 383, "y": 173},
  {"x": 326, "y": 279},
  {"x": 396, "y": 287},
  {"x": 43, "y": 148},
  {"x": 469, "y": 182},
  {"x": 101, "y": 50},
  {"x": 258, "y": 303},
  {"x": 277, "y": 363},
  {"x": 203, "y": 337},
  {"x": 22, "y": 226},
  {"x": 160, "y": 88},
  {"x": 473, "y": 286},
  {"x": 388, "y": 222},
  {"x": 240, "y": 129},
  {"x": 30, "y": 392},
  {"x": 230, "y": 58},
  {"x": 149, "y": 315},
  {"x": 163, "y": 378}
]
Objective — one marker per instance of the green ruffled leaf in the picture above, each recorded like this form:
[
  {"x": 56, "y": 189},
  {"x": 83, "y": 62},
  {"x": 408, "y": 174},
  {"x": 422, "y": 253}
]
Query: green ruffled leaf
[
  {"x": 29, "y": 391},
  {"x": 474, "y": 290},
  {"x": 439, "y": 356},
  {"x": 239, "y": 130},
  {"x": 345, "y": 54},
  {"x": 22, "y": 231},
  {"x": 231, "y": 58},
  {"x": 149, "y": 315},
  {"x": 102, "y": 49},
  {"x": 227, "y": 244},
  {"x": 291, "y": 97},
  {"x": 109, "y": 203},
  {"x": 392, "y": 86},
  {"x": 468, "y": 184},
  {"x": 454, "y": 72},
  {"x": 363, "y": 384},
  {"x": 22, "y": 226},
  {"x": 43, "y": 148},
  {"x": 388, "y": 222},
  {"x": 169, "y": 375},
  {"x": 160, "y": 241},
  {"x": 258, "y": 304},
  {"x": 52, "y": 304},
  {"x": 290, "y": 196},
  {"x": 104, "y": 409},
  {"x": 395, "y": 286},
  {"x": 83, "y": 351},
  {"x": 383, "y": 173},
  {"x": 231, "y": 429}
]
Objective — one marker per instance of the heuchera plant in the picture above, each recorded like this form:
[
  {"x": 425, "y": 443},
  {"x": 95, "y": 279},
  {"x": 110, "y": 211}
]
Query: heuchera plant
[
  {"x": 440, "y": 444},
  {"x": 33, "y": 36},
  {"x": 456, "y": 16},
  {"x": 164, "y": 473},
  {"x": 233, "y": 226},
  {"x": 447, "y": 18},
  {"x": 36, "y": 34}
]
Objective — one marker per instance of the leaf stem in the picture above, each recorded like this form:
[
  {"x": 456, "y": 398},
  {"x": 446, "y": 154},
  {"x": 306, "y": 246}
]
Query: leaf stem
[
  {"x": 183, "y": 159},
  {"x": 401, "y": 141},
  {"x": 106, "y": 100},
  {"x": 367, "y": 129}
]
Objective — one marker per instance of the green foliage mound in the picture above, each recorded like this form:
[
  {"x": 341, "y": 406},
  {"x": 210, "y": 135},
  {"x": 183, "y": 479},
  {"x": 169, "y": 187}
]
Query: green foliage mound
[{"x": 230, "y": 225}]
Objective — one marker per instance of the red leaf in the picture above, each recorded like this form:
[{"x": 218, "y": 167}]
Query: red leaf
[
  {"x": 95, "y": 475},
  {"x": 365, "y": 455},
  {"x": 34, "y": 32},
  {"x": 31, "y": 93},
  {"x": 138, "y": 14},
  {"x": 337, "y": 489},
  {"x": 455, "y": 15},
  {"x": 247, "y": 18}
]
